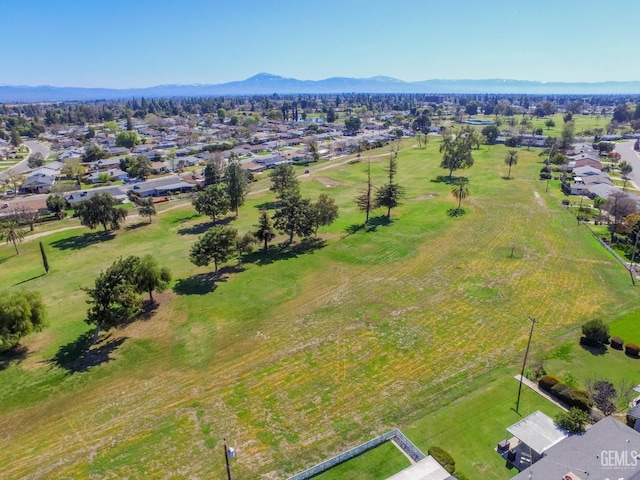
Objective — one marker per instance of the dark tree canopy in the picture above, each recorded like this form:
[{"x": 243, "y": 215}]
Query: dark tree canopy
[
  {"x": 352, "y": 124},
  {"x": 265, "y": 231},
  {"x": 212, "y": 201},
  {"x": 217, "y": 245},
  {"x": 101, "y": 210},
  {"x": 21, "y": 313},
  {"x": 295, "y": 216},
  {"x": 456, "y": 152},
  {"x": 283, "y": 179},
  {"x": 236, "y": 184},
  {"x": 324, "y": 210},
  {"x": 56, "y": 204}
]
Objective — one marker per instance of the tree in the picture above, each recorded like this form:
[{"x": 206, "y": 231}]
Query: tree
[
  {"x": 331, "y": 115},
  {"x": 25, "y": 215},
  {"x": 460, "y": 191},
  {"x": 596, "y": 332},
  {"x": 127, "y": 139},
  {"x": 511, "y": 159},
  {"x": 36, "y": 160},
  {"x": 16, "y": 139},
  {"x": 573, "y": 421},
  {"x": 212, "y": 201},
  {"x": 217, "y": 245},
  {"x": 456, "y": 152},
  {"x": 294, "y": 217},
  {"x": 236, "y": 184},
  {"x": 45, "y": 260},
  {"x": 12, "y": 232},
  {"x": 491, "y": 133},
  {"x": 147, "y": 208},
  {"x": 265, "y": 231},
  {"x": 567, "y": 136},
  {"x": 222, "y": 114},
  {"x": 325, "y": 211},
  {"x": 389, "y": 195},
  {"x": 150, "y": 276},
  {"x": 550, "y": 124},
  {"x": 603, "y": 395},
  {"x": 619, "y": 205},
  {"x": 352, "y": 124},
  {"x": 598, "y": 202},
  {"x": 314, "y": 151},
  {"x": 625, "y": 169},
  {"x": 12, "y": 180},
  {"x": 100, "y": 209},
  {"x": 244, "y": 245},
  {"x": 74, "y": 169},
  {"x": 114, "y": 299},
  {"x": 423, "y": 140},
  {"x": 139, "y": 166},
  {"x": 283, "y": 180},
  {"x": 21, "y": 313},
  {"x": 57, "y": 204},
  {"x": 365, "y": 201},
  {"x": 93, "y": 154},
  {"x": 214, "y": 169}
]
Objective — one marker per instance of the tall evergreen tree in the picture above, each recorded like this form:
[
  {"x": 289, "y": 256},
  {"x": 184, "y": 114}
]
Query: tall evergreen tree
[
  {"x": 45, "y": 261},
  {"x": 264, "y": 230},
  {"x": 365, "y": 200},
  {"x": 295, "y": 216},
  {"x": 217, "y": 245},
  {"x": 212, "y": 201},
  {"x": 389, "y": 195},
  {"x": 236, "y": 184}
]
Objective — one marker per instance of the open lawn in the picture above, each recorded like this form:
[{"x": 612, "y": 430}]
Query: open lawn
[
  {"x": 377, "y": 464},
  {"x": 300, "y": 354}
]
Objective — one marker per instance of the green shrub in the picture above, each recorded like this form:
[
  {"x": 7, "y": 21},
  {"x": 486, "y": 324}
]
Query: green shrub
[
  {"x": 572, "y": 421},
  {"x": 617, "y": 343},
  {"x": 443, "y": 458},
  {"x": 632, "y": 350},
  {"x": 558, "y": 389},
  {"x": 577, "y": 398},
  {"x": 596, "y": 332},
  {"x": 547, "y": 382}
]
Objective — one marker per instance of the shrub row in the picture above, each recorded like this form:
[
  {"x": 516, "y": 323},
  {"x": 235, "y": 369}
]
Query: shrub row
[
  {"x": 574, "y": 397},
  {"x": 443, "y": 458}
]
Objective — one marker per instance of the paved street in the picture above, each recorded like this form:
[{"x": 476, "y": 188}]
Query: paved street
[{"x": 627, "y": 153}]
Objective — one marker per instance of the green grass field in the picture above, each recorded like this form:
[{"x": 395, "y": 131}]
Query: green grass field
[
  {"x": 377, "y": 464},
  {"x": 299, "y": 355}
]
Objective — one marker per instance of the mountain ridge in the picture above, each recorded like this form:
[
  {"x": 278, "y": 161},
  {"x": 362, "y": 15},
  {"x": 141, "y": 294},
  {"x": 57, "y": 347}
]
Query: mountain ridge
[{"x": 266, "y": 84}]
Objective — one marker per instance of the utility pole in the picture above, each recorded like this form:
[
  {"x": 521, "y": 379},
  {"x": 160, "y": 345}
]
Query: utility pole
[
  {"x": 524, "y": 363},
  {"x": 226, "y": 458}
]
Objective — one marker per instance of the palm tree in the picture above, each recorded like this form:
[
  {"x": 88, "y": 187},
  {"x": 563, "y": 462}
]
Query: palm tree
[
  {"x": 12, "y": 233},
  {"x": 625, "y": 169},
  {"x": 460, "y": 191},
  {"x": 511, "y": 159}
]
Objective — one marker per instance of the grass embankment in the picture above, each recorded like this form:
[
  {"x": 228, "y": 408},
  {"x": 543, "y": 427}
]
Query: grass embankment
[{"x": 304, "y": 353}]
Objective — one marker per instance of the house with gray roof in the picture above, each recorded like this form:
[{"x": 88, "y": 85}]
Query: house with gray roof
[{"x": 608, "y": 450}]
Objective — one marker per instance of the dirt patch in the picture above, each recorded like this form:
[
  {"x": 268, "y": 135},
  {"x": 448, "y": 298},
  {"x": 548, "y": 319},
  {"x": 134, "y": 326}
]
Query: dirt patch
[
  {"x": 426, "y": 196},
  {"x": 540, "y": 200},
  {"x": 329, "y": 182}
]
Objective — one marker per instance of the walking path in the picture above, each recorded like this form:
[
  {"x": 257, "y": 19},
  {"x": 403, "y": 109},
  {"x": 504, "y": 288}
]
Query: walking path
[{"x": 534, "y": 386}]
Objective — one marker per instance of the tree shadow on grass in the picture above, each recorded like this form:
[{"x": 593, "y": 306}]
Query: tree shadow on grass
[
  {"x": 136, "y": 226},
  {"x": 448, "y": 180},
  {"x": 371, "y": 226},
  {"x": 196, "y": 229},
  {"x": 284, "y": 251},
  {"x": 82, "y": 241},
  {"x": 15, "y": 355},
  {"x": 80, "y": 355},
  {"x": 595, "y": 350},
  {"x": 199, "y": 284},
  {"x": 504, "y": 177},
  {"x": 456, "y": 212},
  {"x": 267, "y": 206}
]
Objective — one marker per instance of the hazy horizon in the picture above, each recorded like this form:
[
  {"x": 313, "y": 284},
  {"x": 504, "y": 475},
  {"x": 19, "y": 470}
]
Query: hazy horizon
[{"x": 125, "y": 45}]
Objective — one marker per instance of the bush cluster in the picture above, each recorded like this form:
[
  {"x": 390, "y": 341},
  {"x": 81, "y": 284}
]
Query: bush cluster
[
  {"x": 574, "y": 397},
  {"x": 617, "y": 343},
  {"x": 443, "y": 458},
  {"x": 632, "y": 350}
]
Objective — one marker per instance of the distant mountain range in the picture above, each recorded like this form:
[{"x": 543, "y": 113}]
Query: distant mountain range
[{"x": 267, "y": 84}]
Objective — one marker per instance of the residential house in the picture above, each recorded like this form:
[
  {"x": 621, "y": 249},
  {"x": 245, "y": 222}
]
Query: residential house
[
  {"x": 37, "y": 183},
  {"x": 114, "y": 174},
  {"x": 78, "y": 196},
  {"x": 161, "y": 186},
  {"x": 609, "y": 449}
]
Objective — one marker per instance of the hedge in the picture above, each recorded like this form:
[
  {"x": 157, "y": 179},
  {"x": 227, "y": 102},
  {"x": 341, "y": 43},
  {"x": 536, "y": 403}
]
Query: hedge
[
  {"x": 632, "y": 350},
  {"x": 617, "y": 343},
  {"x": 547, "y": 382},
  {"x": 443, "y": 458}
]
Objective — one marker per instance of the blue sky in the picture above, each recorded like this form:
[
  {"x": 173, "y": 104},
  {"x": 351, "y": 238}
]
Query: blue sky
[{"x": 138, "y": 43}]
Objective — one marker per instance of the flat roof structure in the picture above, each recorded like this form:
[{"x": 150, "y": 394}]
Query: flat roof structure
[
  {"x": 426, "y": 469},
  {"x": 537, "y": 431}
]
